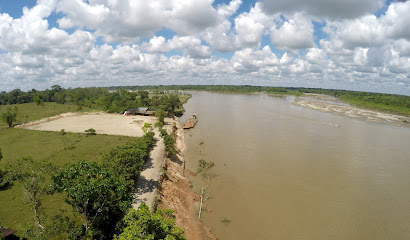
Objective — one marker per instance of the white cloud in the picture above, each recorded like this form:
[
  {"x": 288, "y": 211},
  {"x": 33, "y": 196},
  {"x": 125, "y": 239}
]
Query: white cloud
[
  {"x": 294, "y": 33},
  {"x": 365, "y": 53},
  {"x": 190, "y": 46},
  {"x": 231, "y": 8},
  {"x": 402, "y": 46},
  {"x": 247, "y": 32},
  {"x": 127, "y": 21}
]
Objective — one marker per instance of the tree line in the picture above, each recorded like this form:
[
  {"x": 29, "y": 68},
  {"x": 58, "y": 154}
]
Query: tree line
[{"x": 116, "y": 101}]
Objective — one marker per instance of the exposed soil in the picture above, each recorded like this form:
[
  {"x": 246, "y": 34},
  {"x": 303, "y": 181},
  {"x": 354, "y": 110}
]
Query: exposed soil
[
  {"x": 103, "y": 123},
  {"x": 330, "y": 104},
  {"x": 175, "y": 192}
]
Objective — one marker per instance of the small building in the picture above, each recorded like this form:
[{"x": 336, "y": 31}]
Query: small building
[
  {"x": 150, "y": 112},
  {"x": 144, "y": 111}
]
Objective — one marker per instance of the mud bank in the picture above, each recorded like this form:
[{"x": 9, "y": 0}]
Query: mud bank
[
  {"x": 175, "y": 192},
  {"x": 333, "y": 105}
]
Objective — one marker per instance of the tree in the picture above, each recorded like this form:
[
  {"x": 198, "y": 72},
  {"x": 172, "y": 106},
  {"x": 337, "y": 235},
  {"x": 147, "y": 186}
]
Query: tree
[
  {"x": 90, "y": 131},
  {"x": 31, "y": 175},
  {"x": 94, "y": 193},
  {"x": 147, "y": 128},
  {"x": 169, "y": 143},
  {"x": 127, "y": 161},
  {"x": 9, "y": 116},
  {"x": 160, "y": 114},
  {"x": 38, "y": 100},
  {"x": 144, "y": 224}
]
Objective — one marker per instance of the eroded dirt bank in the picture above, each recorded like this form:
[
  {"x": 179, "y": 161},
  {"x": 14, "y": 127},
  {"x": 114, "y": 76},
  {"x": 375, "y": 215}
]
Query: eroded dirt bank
[
  {"x": 330, "y": 104},
  {"x": 175, "y": 192}
]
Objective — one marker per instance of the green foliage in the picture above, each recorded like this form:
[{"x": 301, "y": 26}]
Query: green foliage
[
  {"x": 147, "y": 128},
  {"x": 127, "y": 161},
  {"x": 160, "y": 114},
  {"x": 53, "y": 147},
  {"x": 31, "y": 112},
  {"x": 90, "y": 131},
  {"x": 38, "y": 100},
  {"x": 169, "y": 143},
  {"x": 32, "y": 176},
  {"x": 56, "y": 227},
  {"x": 146, "y": 225},
  {"x": 116, "y": 101},
  {"x": 95, "y": 193},
  {"x": 5, "y": 180},
  {"x": 9, "y": 116},
  {"x": 62, "y": 132}
]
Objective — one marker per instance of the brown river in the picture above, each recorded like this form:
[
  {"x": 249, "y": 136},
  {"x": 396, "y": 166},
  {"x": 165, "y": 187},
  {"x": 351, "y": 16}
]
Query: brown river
[{"x": 288, "y": 172}]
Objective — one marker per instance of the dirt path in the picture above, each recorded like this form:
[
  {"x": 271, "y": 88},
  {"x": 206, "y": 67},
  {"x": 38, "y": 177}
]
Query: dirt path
[
  {"x": 330, "y": 104},
  {"x": 147, "y": 185}
]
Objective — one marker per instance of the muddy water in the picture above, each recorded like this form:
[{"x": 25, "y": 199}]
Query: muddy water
[{"x": 287, "y": 172}]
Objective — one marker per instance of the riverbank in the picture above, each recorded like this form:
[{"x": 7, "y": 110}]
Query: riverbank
[
  {"x": 326, "y": 103},
  {"x": 176, "y": 193}
]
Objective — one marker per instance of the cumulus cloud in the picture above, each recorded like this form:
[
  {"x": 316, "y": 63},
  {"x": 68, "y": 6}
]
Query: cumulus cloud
[
  {"x": 368, "y": 52},
  {"x": 333, "y": 9},
  {"x": 247, "y": 31},
  {"x": 128, "y": 21},
  {"x": 190, "y": 46},
  {"x": 294, "y": 33},
  {"x": 228, "y": 9}
]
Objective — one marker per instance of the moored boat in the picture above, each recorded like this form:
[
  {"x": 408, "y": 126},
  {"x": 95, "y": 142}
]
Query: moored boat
[{"x": 190, "y": 123}]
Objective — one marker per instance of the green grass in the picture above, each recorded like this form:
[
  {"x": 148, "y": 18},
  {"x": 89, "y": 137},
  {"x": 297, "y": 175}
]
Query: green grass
[
  {"x": 51, "y": 146},
  {"x": 30, "y": 111}
]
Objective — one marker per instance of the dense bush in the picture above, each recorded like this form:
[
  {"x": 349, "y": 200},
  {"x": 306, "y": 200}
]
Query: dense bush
[
  {"x": 144, "y": 224},
  {"x": 93, "y": 191},
  {"x": 127, "y": 161}
]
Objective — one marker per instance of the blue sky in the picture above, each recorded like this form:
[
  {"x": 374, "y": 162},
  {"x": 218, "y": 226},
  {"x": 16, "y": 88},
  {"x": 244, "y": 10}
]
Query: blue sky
[{"x": 354, "y": 44}]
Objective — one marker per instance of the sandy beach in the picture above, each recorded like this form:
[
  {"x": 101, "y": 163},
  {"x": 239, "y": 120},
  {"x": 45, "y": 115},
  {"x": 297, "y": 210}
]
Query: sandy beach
[{"x": 325, "y": 103}]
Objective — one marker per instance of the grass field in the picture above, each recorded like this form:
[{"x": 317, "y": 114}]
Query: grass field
[
  {"x": 55, "y": 148},
  {"x": 30, "y": 111}
]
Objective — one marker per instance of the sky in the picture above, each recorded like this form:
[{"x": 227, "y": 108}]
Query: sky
[{"x": 351, "y": 44}]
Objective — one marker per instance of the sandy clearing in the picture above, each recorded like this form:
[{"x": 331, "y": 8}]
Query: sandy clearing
[
  {"x": 117, "y": 124},
  {"x": 103, "y": 123},
  {"x": 330, "y": 104}
]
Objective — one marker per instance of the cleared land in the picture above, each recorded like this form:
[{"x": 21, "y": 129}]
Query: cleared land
[{"x": 103, "y": 123}]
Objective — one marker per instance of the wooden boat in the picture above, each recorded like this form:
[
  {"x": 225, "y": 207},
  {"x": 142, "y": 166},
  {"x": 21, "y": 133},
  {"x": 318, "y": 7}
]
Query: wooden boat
[{"x": 190, "y": 123}]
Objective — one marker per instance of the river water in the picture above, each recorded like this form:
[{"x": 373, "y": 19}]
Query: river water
[{"x": 288, "y": 172}]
